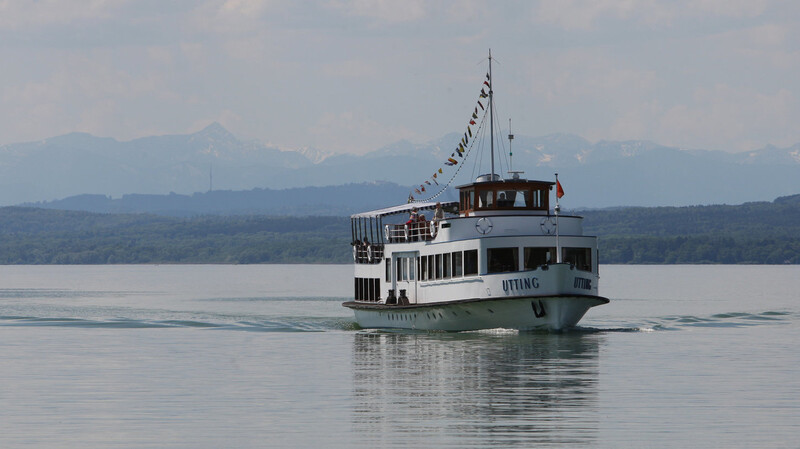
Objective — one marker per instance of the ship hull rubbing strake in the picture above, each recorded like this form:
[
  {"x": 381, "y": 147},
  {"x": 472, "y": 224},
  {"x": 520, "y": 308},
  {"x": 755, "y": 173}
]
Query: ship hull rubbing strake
[{"x": 499, "y": 257}]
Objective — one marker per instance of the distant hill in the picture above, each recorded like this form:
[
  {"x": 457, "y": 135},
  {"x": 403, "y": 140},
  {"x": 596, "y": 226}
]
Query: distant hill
[
  {"x": 306, "y": 201},
  {"x": 594, "y": 175}
]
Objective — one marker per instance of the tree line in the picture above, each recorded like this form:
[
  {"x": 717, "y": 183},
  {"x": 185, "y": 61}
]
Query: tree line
[{"x": 754, "y": 233}]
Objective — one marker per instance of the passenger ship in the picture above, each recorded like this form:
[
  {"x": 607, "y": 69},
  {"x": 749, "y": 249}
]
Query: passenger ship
[{"x": 500, "y": 257}]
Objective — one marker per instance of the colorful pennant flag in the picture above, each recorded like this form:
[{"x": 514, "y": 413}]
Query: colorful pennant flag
[{"x": 463, "y": 145}]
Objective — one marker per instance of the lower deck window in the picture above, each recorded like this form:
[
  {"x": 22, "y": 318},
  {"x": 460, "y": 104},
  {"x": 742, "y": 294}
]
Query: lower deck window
[
  {"x": 457, "y": 268},
  {"x": 536, "y": 257},
  {"x": 471, "y": 262},
  {"x": 502, "y": 260},
  {"x": 580, "y": 257},
  {"x": 367, "y": 289},
  {"x": 445, "y": 265}
]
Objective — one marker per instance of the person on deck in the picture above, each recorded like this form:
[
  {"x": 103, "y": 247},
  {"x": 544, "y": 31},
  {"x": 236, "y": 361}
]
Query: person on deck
[
  {"x": 413, "y": 218},
  {"x": 438, "y": 214}
]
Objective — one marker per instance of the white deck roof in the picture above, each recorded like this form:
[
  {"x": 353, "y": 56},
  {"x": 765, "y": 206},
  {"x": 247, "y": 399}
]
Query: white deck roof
[{"x": 403, "y": 208}]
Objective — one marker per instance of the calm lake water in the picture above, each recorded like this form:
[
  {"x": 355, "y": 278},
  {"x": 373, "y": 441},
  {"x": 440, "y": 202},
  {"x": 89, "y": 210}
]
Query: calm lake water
[{"x": 251, "y": 356}]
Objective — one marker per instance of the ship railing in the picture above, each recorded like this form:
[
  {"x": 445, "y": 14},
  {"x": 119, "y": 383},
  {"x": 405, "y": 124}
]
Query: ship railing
[
  {"x": 365, "y": 252},
  {"x": 409, "y": 232}
]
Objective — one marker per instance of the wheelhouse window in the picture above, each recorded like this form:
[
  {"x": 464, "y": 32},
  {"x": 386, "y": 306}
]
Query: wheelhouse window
[
  {"x": 502, "y": 260},
  {"x": 485, "y": 199},
  {"x": 517, "y": 199},
  {"x": 536, "y": 257},
  {"x": 537, "y": 196}
]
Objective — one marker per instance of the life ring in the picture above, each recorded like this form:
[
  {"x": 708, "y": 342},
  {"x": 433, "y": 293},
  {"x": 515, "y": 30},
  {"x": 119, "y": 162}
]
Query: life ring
[
  {"x": 483, "y": 226},
  {"x": 355, "y": 253},
  {"x": 386, "y": 233},
  {"x": 369, "y": 253},
  {"x": 405, "y": 231},
  {"x": 548, "y": 226},
  {"x": 433, "y": 229}
]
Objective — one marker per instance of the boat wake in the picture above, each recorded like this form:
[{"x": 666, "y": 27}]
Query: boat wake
[
  {"x": 150, "y": 319},
  {"x": 287, "y": 324},
  {"x": 721, "y": 320}
]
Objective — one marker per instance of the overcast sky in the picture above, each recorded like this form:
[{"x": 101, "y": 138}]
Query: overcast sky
[{"x": 352, "y": 76}]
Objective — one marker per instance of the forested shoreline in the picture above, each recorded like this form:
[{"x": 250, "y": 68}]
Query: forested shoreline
[{"x": 752, "y": 233}]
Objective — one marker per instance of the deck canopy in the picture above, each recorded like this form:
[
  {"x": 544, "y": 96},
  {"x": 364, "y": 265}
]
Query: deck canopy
[{"x": 403, "y": 209}]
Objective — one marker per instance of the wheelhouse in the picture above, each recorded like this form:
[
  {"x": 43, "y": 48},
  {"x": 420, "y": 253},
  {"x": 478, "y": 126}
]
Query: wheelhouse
[{"x": 514, "y": 195}]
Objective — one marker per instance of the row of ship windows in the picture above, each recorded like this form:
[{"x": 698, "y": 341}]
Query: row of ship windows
[
  {"x": 503, "y": 199},
  {"x": 434, "y": 266},
  {"x": 499, "y": 260}
]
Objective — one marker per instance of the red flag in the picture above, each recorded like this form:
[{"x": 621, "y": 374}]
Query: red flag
[{"x": 559, "y": 189}]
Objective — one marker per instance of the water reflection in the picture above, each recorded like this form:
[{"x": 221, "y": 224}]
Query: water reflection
[{"x": 472, "y": 389}]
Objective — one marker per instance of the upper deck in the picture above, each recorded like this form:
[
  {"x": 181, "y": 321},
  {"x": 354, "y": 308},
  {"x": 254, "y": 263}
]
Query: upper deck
[{"x": 510, "y": 204}]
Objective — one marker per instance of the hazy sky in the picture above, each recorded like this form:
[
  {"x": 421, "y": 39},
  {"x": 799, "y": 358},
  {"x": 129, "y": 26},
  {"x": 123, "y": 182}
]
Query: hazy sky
[{"x": 351, "y": 76}]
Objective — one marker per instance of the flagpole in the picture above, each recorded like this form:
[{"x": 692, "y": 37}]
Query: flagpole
[
  {"x": 491, "y": 112},
  {"x": 558, "y": 209}
]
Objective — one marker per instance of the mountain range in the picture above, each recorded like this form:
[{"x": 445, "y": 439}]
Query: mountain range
[{"x": 594, "y": 175}]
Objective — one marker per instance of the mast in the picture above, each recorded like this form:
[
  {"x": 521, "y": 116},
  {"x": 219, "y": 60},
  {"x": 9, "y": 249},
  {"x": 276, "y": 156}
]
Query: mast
[
  {"x": 491, "y": 112},
  {"x": 510, "y": 154}
]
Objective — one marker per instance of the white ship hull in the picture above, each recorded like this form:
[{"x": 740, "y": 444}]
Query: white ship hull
[{"x": 521, "y": 313}]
